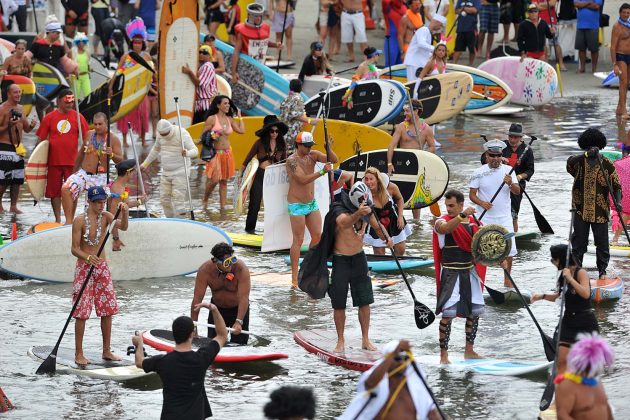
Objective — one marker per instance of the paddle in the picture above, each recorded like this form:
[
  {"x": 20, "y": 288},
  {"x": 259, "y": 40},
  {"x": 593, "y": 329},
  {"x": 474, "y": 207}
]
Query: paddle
[
  {"x": 322, "y": 95},
  {"x": 321, "y": 105},
  {"x": 426, "y": 385},
  {"x": 140, "y": 60},
  {"x": 550, "y": 351},
  {"x": 181, "y": 140},
  {"x": 109, "y": 131},
  {"x": 35, "y": 17},
  {"x": 543, "y": 224},
  {"x": 284, "y": 22},
  {"x": 421, "y": 312},
  {"x": 616, "y": 204},
  {"x": 76, "y": 104},
  {"x": 389, "y": 56},
  {"x": 532, "y": 139},
  {"x": 138, "y": 172},
  {"x": 547, "y": 396},
  {"x": 262, "y": 340},
  {"x": 49, "y": 366},
  {"x": 357, "y": 149}
]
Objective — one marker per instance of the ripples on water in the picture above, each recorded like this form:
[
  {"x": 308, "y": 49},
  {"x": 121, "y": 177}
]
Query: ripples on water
[{"x": 34, "y": 313}]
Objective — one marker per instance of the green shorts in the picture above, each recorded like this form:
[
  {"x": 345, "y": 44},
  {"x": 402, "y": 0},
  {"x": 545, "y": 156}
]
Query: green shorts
[
  {"x": 301, "y": 209},
  {"x": 350, "y": 271}
]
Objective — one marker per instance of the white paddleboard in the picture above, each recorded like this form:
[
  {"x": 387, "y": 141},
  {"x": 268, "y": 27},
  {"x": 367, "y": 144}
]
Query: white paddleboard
[
  {"x": 153, "y": 248},
  {"x": 224, "y": 86},
  {"x": 36, "y": 170},
  {"x": 243, "y": 185},
  {"x": 615, "y": 251},
  {"x": 503, "y": 110},
  {"x": 495, "y": 367},
  {"x": 318, "y": 83}
]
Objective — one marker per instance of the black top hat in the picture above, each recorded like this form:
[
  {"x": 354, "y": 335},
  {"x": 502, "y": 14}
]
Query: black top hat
[
  {"x": 272, "y": 121},
  {"x": 516, "y": 130},
  {"x": 126, "y": 165}
]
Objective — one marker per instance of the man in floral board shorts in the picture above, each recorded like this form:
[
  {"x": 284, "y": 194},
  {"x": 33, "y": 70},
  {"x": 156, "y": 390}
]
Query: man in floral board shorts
[{"x": 88, "y": 232}]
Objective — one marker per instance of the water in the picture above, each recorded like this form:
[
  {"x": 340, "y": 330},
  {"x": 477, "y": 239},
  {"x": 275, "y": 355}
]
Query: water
[{"x": 33, "y": 313}]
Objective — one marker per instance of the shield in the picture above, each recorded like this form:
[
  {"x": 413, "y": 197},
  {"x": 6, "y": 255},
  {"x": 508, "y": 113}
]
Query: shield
[{"x": 491, "y": 244}]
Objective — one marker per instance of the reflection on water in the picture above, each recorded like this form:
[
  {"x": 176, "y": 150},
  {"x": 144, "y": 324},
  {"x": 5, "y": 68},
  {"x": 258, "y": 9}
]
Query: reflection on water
[{"x": 34, "y": 313}]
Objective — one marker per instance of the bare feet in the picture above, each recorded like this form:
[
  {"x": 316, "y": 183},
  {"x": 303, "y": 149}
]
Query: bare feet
[
  {"x": 471, "y": 354},
  {"x": 580, "y": 71},
  {"x": 15, "y": 210},
  {"x": 108, "y": 355},
  {"x": 367, "y": 345},
  {"x": 444, "y": 358},
  {"x": 80, "y": 360},
  {"x": 340, "y": 347},
  {"x": 564, "y": 69}
]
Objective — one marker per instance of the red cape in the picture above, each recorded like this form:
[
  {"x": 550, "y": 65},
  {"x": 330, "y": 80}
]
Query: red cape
[
  {"x": 463, "y": 239},
  {"x": 393, "y": 11}
]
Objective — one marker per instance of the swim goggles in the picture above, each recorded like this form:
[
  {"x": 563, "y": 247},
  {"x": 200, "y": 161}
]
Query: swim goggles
[{"x": 228, "y": 262}]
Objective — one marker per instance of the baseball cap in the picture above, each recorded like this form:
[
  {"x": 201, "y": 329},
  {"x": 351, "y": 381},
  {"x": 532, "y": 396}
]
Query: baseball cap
[
  {"x": 304, "y": 138},
  {"x": 97, "y": 193}
]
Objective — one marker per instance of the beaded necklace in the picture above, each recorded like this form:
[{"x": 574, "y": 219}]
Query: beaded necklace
[{"x": 99, "y": 228}]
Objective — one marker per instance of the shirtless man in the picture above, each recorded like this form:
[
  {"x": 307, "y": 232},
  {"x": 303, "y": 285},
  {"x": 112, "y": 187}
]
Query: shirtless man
[
  {"x": 409, "y": 23},
  {"x": 620, "y": 55},
  {"x": 352, "y": 215},
  {"x": 88, "y": 232},
  {"x": 228, "y": 280},
  {"x": 90, "y": 164},
  {"x": 405, "y": 138},
  {"x": 353, "y": 26},
  {"x": 303, "y": 209},
  {"x": 13, "y": 123},
  {"x": 278, "y": 19}
]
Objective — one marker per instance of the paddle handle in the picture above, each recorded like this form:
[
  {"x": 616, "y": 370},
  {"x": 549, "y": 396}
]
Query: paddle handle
[
  {"x": 202, "y": 324},
  {"x": 138, "y": 169},
  {"x": 181, "y": 140}
]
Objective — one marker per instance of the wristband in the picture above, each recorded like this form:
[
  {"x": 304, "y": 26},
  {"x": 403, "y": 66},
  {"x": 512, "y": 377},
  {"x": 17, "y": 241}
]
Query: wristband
[
  {"x": 88, "y": 258},
  {"x": 240, "y": 321},
  {"x": 322, "y": 172},
  {"x": 309, "y": 120},
  {"x": 389, "y": 164}
]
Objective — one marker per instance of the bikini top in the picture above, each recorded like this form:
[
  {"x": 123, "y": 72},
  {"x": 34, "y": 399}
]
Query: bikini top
[
  {"x": 21, "y": 69},
  {"x": 218, "y": 127}
]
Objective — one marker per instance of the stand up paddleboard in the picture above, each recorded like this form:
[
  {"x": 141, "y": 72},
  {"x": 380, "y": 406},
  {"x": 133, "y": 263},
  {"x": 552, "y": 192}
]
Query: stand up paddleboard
[
  {"x": 163, "y": 340},
  {"x": 384, "y": 263},
  {"x": 494, "y": 367},
  {"x": 442, "y": 96},
  {"x": 511, "y": 295},
  {"x": 346, "y": 135},
  {"x": 375, "y": 102},
  {"x": 166, "y": 247},
  {"x": 611, "y": 154},
  {"x": 526, "y": 236},
  {"x": 36, "y": 171},
  {"x": 312, "y": 85},
  {"x": 179, "y": 45},
  {"x": 603, "y": 290},
  {"x": 242, "y": 185},
  {"x": 223, "y": 86},
  {"x": 422, "y": 177},
  {"x": 323, "y": 342},
  {"x": 124, "y": 370},
  {"x": 608, "y": 79},
  {"x": 615, "y": 251},
  {"x": 533, "y": 82},
  {"x": 48, "y": 80},
  {"x": 504, "y": 111},
  {"x": 259, "y": 90},
  {"x": 272, "y": 63}
]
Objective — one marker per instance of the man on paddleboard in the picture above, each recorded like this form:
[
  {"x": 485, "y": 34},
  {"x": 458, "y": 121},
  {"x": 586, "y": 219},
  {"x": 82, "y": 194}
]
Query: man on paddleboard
[
  {"x": 183, "y": 371},
  {"x": 60, "y": 127},
  {"x": 620, "y": 55},
  {"x": 90, "y": 165},
  {"x": 392, "y": 389},
  {"x": 303, "y": 208},
  {"x": 590, "y": 197},
  {"x": 459, "y": 280},
  {"x": 252, "y": 38},
  {"x": 405, "y": 138},
  {"x": 523, "y": 165},
  {"x": 88, "y": 231},
  {"x": 13, "y": 124},
  {"x": 228, "y": 280},
  {"x": 485, "y": 182}
]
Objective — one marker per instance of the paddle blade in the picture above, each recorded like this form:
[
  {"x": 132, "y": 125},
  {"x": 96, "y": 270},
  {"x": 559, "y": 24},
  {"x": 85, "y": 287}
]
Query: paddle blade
[
  {"x": 497, "y": 297},
  {"x": 543, "y": 224},
  {"x": 48, "y": 366},
  {"x": 423, "y": 315},
  {"x": 547, "y": 396},
  {"x": 550, "y": 351}
]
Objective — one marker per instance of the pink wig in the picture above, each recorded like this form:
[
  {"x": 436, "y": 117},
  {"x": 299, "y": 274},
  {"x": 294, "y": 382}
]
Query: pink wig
[{"x": 590, "y": 355}]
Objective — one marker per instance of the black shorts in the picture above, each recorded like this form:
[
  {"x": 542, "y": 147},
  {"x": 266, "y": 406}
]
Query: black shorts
[
  {"x": 333, "y": 19},
  {"x": 216, "y": 15},
  {"x": 466, "y": 40},
  {"x": 229, "y": 316},
  {"x": 516, "y": 201},
  {"x": 81, "y": 20},
  {"x": 511, "y": 12},
  {"x": 350, "y": 271},
  {"x": 577, "y": 323}
]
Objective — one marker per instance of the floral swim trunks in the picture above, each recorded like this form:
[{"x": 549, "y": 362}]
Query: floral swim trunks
[{"x": 99, "y": 292}]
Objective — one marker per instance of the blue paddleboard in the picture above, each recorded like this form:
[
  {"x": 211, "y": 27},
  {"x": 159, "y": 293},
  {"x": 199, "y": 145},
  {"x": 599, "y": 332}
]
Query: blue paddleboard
[{"x": 386, "y": 264}]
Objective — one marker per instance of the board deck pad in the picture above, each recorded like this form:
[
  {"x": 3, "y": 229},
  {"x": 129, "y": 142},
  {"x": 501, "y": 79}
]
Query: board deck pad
[
  {"x": 98, "y": 368},
  {"x": 322, "y": 343}
]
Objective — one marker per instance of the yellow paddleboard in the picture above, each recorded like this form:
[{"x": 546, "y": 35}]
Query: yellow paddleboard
[{"x": 346, "y": 136}]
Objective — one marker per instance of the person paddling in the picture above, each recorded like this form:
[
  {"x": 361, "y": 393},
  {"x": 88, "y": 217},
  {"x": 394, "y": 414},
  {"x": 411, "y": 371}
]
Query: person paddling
[{"x": 87, "y": 234}]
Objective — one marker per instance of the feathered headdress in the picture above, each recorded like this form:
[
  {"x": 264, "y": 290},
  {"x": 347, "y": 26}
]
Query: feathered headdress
[
  {"x": 590, "y": 355},
  {"x": 136, "y": 29}
]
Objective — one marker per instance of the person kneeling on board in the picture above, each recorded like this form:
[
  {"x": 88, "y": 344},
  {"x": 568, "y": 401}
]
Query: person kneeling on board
[
  {"x": 173, "y": 181},
  {"x": 392, "y": 389},
  {"x": 579, "y": 394},
  {"x": 87, "y": 234},
  {"x": 228, "y": 280},
  {"x": 342, "y": 237},
  {"x": 90, "y": 165},
  {"x": 458, "y": 279},
  {"x": 183, "y": 370}
]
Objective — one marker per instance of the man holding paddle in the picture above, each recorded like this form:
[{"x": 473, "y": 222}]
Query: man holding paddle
[
  {"x": 87, "y": 236},
  {"x": 488, "y": 180},
  {"x": 459, "y": 280}
]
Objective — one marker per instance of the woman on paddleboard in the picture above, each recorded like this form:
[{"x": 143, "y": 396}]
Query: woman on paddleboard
[
  {"x": 578, "y": 312},
  {"x": 221, "y": 123},
  {"x": 388, "y": 206},
  {"x": 269, "y": 149}
]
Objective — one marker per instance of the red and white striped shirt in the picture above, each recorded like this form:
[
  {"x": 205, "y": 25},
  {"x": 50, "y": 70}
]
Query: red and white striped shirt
[{"x": 207, "y": 88}]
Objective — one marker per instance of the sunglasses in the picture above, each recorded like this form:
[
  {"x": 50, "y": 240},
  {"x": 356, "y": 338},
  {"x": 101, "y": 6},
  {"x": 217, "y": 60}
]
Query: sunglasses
[
  {"x": 203, "y": 52},
  {"x": 494, "y": 156},
  {"x": 274, "y": 130}
]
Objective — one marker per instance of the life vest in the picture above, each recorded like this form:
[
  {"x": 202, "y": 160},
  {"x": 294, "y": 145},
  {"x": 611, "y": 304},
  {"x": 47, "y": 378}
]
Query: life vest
[{"x": 255, "y": 40}]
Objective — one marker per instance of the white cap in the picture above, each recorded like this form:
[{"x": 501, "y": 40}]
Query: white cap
[
  {"x": 440, "y": 19},
  {"x": 494, "y": 146}
]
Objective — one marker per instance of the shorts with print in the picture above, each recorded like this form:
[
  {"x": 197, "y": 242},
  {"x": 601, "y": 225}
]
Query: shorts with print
[
  {"x": 99, "y": 292},
  {"x": 82, "y": 181},
  {"x": 303, "y": 209},
  {"x": 489, "y": 18}
]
